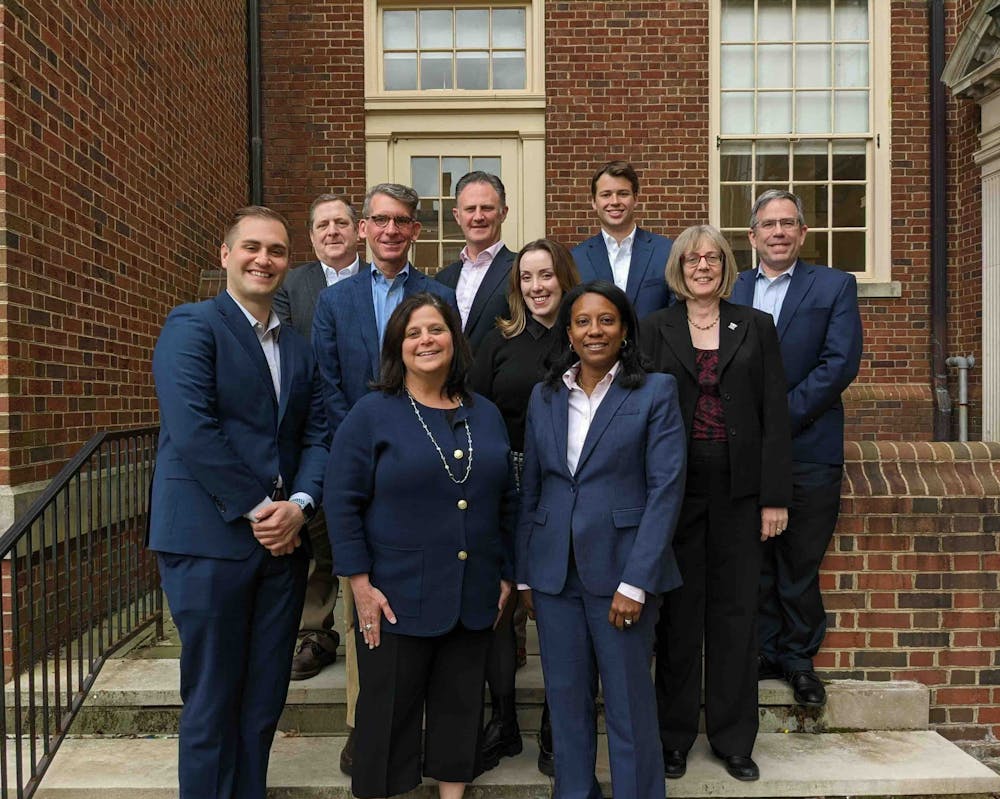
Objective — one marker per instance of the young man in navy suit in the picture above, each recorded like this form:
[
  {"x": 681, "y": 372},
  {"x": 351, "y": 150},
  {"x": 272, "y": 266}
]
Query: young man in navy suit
[
  {"x": 479, "y": 276},
  {"x": 633, "y": 259},
  {"x": 347, "y": 335},
  {"x": 242, "y": 453},
  {"x": 333, "y": 232},
  {"x": 815, "y": 310}
]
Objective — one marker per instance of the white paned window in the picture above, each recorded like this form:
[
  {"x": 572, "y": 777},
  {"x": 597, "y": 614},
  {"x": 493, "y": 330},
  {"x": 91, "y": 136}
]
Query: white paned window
[
  {"x": 454, "y": 48},
  {"x": 799, "y": 104}
]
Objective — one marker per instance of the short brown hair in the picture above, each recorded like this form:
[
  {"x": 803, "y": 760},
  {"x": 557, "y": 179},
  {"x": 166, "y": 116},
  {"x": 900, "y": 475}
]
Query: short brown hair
[
  {"x": 253, "y": 211},
  {"x": 686, "y": 243},
  {"x": 330, "y": 198},
  {"x": 617, "y": 169}
]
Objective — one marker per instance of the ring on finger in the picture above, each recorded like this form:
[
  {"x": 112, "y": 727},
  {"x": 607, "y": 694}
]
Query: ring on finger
[
  {"x": 628, "y": 622},
  {"x": 368, "y": 626}
]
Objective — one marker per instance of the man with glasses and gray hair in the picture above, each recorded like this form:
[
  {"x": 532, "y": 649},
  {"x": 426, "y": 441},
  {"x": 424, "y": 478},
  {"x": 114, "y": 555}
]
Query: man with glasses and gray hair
[
  {"x": 347, "y": 331},
  {"x": 815, "y": 310}
]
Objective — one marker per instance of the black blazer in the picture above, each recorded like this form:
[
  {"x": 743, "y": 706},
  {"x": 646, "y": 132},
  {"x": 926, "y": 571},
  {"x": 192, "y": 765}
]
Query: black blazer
[
  {"x": 491, "y": 298},
  {"x": 751, "y": 384}
]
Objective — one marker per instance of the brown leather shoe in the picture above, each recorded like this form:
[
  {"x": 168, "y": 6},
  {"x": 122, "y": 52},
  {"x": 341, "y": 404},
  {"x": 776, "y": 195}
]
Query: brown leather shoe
[
  {"x": 347, "y": 753},
  {"x": 311, "y": 657}
]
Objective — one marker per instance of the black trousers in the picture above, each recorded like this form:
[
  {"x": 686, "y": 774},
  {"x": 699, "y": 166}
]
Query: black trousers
[
  {"x": 718, "y": 550},
  {"x": 792, "y": 617},
  {"x": 401, "y": 680}
]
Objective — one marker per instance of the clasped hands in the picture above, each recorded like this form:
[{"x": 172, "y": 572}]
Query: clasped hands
[{"x": 277, "y": 527}]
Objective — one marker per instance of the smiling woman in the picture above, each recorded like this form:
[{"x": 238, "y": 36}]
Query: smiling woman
[{"x": 420, "y": 510}]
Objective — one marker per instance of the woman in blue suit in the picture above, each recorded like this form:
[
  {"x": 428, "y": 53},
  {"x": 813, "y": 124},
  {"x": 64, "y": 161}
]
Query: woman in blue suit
[
  {"x": 420, "y": 506},
  {"x": 601, "y": 490}
]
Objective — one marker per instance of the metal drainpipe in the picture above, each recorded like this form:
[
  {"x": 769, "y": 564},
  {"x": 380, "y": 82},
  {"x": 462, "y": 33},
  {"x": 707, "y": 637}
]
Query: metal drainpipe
[
  {"x": 964, "y": 365},
  {"x": 939, "y": 229},
  {"x": 255, "y": 103}
]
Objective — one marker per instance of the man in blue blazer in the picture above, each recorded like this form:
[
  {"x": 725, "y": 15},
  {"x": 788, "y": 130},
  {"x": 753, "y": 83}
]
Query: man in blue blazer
[
  {"x": 815, "y": 310},
  {"x": 347, "y": 332},
  {"x": 633, "y": 259},
  {"x": 479, "y": 277},
  {"x": 240, "y": 466}
]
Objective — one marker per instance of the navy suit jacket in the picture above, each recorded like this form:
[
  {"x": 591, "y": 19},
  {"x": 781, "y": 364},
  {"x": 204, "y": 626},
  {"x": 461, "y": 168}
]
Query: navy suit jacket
[
  {"x": 647, "y": 282},
  {"x": 819, "y": 329},
  {"x": 491, "y": 298},
  {"x": 393, "y": 513},
  {"x": 224, "y": 435},
  {"x": 621, "y": 505},
  {"x": 345, "y": 337}
]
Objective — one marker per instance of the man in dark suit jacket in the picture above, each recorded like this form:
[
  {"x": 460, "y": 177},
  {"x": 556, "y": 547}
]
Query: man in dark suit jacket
[
  {"x": 633, "y": 259},
  {"x": 815, "y": 309},
  {"x": 241, "y": 430},
  {"x": 347, "y": 335},
  {"x": 333, "y": 231},
  {"x": 479, "y": 277}
]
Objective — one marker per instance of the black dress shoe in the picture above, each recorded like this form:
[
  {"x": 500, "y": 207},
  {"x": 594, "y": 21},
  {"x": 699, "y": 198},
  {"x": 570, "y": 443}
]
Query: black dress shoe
[
  {"x": 546, "y": 757},
  {"x": 502, "y": 736},
  {"x": 347, "y": 753},
  {"x": 741, "y": 767},
  {"x": 766, "y": 670},
  {"x": 807, "y": 688},
  {"x": 675, "y": 763}
]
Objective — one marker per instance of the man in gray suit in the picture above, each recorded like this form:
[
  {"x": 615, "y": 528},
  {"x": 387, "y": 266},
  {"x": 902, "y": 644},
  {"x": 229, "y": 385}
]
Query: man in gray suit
[{"x": 333, "y": 231}]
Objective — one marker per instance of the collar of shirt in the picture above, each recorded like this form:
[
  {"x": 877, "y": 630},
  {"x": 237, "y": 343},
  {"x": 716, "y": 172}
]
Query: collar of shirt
[
  {"x": 612, "y": 243},
  {"x": 788, "y": 272},
  {"x": 571, "y": 375},
  {"x": 485, "y": 258},
  {"x": 333, "y": 276},
  {"x": 535, "y": 328},
  {"x": 273, "y": 323},
  {"x": 378, "y": 277}
]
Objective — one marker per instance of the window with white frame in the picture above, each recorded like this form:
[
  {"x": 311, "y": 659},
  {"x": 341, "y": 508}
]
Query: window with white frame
[{"x": 801, "y": 107}]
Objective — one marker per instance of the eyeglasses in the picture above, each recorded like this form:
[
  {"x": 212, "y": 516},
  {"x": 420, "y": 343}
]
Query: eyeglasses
[
  {"x": 382, "y": 221},
  {"x": 692, "y": 259},
  {"x": 786, "y": 224}
]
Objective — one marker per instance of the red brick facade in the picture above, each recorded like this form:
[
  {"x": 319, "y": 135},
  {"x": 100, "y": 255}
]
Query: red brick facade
[{"x": 123, "y": 148}]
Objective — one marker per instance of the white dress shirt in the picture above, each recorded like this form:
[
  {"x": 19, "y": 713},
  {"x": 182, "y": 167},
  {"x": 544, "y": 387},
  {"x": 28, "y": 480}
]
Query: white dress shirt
[
  {"x": 471, "y": 277},
  {"x": 620, "y": 256},
  {"x": 333, "y": 276}
]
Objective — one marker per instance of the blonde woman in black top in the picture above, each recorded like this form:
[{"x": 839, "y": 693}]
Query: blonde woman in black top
[{"x": 508, "y": 364}]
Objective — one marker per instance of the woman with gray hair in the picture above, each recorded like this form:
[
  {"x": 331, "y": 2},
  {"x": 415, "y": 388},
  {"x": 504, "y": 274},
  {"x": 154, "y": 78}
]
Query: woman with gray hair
[{"x": 731, "y": 386}]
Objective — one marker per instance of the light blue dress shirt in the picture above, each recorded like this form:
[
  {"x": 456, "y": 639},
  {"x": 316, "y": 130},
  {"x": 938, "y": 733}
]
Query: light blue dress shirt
[
  {"x": 386, "y": 296},
  {"x": 769, "y": 293}
]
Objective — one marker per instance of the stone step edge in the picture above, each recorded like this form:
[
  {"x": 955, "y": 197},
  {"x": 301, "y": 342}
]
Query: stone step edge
[{"x": 830, "y": 765}]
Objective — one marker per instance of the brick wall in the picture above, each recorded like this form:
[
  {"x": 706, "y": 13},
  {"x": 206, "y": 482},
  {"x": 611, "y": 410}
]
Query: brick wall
[
  {"x": 314, "y": 122},
  {"x": 123, "y": 149},
  {"x": 910, "y": 580}
]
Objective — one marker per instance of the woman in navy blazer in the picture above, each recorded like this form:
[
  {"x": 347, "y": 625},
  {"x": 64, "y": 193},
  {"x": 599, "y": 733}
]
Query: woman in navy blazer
[
  {"x": 420, "y": 508},
  {"x": 600, "y": 495},
  {"x": 727, "y": 364}
]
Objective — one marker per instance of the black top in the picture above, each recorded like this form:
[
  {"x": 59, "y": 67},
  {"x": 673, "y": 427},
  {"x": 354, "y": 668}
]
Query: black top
[
  {"x": 506, "y": 369},
  {"x": 709, "y": 416}
]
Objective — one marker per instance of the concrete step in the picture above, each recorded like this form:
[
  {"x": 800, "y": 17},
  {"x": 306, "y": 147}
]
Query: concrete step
[
  {"x": 141, "y": 696},
  {"x": 882, "y": 764}
]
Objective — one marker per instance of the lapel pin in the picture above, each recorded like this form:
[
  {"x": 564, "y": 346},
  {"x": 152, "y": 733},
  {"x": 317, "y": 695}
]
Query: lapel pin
[{"x": 732, "y": 325}]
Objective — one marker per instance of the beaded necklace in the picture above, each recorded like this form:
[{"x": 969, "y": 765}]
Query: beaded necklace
[{"x": 458, "y": 452}]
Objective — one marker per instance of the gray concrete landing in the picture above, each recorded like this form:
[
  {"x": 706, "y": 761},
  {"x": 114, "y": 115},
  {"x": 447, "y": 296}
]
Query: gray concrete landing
[{"x": 917, "y": 764}]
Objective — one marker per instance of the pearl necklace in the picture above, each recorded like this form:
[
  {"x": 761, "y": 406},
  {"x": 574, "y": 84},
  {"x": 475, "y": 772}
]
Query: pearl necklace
[{"x": 444, "y": 461}]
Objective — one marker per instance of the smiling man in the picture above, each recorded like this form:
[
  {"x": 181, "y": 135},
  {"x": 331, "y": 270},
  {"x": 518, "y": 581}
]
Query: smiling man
[
  {"x": 347, "y": 332},
  {"x": 333, "y": 232},
  {"x": 479, "y": 277},
  {"x": 633, "y": 259},
  {"x": 239, "y": 470},
  {"x": 815, "y": 310}
]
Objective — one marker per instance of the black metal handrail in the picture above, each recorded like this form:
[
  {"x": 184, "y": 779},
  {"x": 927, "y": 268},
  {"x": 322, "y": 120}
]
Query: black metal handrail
[{"x": 77, "y": 586}]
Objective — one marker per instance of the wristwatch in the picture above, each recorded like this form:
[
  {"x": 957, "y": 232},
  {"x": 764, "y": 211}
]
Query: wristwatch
[{"x": 308, "y": 511}]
